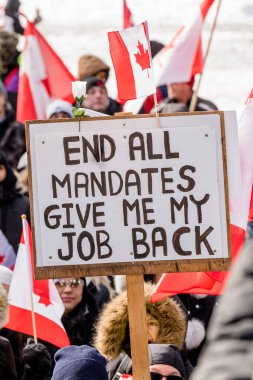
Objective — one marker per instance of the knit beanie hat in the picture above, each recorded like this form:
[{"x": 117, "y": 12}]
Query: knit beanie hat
[
  {"x": 58, "y": 105},
  {"x": 166, "y": 354},
  {"x": 89, "y": 65},
  {"x": 92, "y": 82},
  {"x": 79, "y": 363}
]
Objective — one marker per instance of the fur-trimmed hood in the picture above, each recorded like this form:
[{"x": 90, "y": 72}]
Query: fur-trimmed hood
[
  {"x": 89, "y": 65},
  {"x": 112, "y": 326},
  {"x": 3, "y": 306}
]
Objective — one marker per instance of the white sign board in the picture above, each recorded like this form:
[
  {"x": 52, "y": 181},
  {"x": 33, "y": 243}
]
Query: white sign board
[{"x": 129, "y": 196}]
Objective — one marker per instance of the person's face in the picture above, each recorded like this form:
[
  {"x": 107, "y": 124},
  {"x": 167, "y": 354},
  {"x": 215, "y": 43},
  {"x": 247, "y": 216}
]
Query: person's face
[
  {"x": 160, "y": 371},
  {"x": 153, "y": 329},
  {"x": 97, "y": 99},
  {"x": 70, "y": 290},
  {"x": 2, "y": 173},
  {"x": 59, "y": 115},
  {"x": 180, "y": 91}
]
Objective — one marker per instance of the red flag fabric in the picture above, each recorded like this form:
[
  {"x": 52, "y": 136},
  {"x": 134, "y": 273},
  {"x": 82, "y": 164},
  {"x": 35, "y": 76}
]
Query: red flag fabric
[
  {"x": 47, "y": 305},
  {"x": 131, "y": 57},
  {"x": 127, "y": 16},
  {"x": 43, "y": 77},
  {"x": 212, "y": 283},
  {"x": 182, "y": 57}
]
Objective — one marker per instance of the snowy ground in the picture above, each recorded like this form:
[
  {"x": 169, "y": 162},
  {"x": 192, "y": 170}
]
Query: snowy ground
[{"x": 75, "y": 27}]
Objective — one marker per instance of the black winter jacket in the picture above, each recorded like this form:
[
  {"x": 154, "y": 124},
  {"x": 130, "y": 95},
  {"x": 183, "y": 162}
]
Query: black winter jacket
[
  {"x": 12, "y": 138},
  {"x": 12, "y": 206}
]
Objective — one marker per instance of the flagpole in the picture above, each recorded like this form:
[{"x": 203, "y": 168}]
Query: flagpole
[
  {"x": 195, "y": 93},
  {"x": 156, "y": 111},
  {"x": 26, "y": 241}
]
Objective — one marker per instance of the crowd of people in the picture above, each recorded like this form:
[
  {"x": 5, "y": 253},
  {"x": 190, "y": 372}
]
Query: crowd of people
[{"x": 96, "y": 314}]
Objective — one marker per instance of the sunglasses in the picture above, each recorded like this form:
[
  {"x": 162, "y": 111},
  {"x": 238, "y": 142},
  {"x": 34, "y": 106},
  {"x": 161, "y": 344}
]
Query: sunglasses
[
  {"x": 73, "y": 283},
  {"x": 158, "y": 376}
]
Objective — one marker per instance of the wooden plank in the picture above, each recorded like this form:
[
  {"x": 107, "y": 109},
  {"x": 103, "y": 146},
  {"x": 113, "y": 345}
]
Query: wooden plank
[
  {"x": 146, "y": 267},
  {"x": 173, "y": 266},
  {"x": 138, "y": 327},
  {"x": 225, "y": 170}
]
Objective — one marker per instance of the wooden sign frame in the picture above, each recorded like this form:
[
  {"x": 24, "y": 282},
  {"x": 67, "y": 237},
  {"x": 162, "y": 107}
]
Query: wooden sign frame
[{"x": 147, "y": 267}]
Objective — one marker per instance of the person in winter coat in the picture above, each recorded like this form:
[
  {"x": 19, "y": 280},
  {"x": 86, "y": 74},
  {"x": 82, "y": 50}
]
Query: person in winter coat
[
  {"x": 228, "y": 351},
  {"x": 92, "y": 66},
  {"x": 166, "y": 323},
  {"x": 165, "y": 361},
  {"x": 9, "y": 66},
  {"x": 179, "y": 99},
  {"x": 12, "y": 133},
  {"x": 12, "y": 11},
  {"x": 199, "y": 309},
  {"x": 7, "y": 363},
  {"x": 97, "y": 98},
  {"x": 12, "y": 204},
  {"x": 80, "y": 309}
]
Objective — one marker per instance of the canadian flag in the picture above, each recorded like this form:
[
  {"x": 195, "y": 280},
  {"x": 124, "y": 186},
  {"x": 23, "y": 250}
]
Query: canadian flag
[
  {"x": 127, "y": 16},
  {"x": 131, "y": 57},
  {"x": 7, "y": 253},
  {"x": 182, "y": 57},
  {"x": 213, "y": 282},
  {"x": 43, "y": 77},
  {"x": 27, "y": 294}
]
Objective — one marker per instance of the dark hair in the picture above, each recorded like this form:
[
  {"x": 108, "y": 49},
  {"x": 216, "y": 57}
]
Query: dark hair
[{"x": 79, "y": 322}]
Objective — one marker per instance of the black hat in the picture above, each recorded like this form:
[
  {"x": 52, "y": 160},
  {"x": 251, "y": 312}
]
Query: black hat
[
  {"x": 94, "y": 81},
  {"x": 166, "y": 354},
  {"x": 155, "y": 47}
]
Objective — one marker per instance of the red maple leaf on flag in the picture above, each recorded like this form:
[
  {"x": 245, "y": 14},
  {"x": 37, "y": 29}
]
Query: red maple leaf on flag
[
  {"x": 142, "y": 57},
  {"x": 45, "y": 301},
  {"x": 41, "y": 288}
]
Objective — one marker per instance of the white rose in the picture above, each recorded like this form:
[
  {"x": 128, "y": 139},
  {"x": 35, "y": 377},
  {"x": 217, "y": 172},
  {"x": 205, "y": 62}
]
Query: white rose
[{"x": 79, "y": 90}]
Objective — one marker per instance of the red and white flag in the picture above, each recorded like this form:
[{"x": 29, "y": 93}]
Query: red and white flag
[
  {"x": 131, "y": 57},
  {"x": 43, "y": 77},
  {"x": 7, "y": 253},
  {"x": 182, "y": 57},
  {"x": 213, "y": 282},
  {"x": 47, "y": 305},
  {"x": 127, "y": 16}
]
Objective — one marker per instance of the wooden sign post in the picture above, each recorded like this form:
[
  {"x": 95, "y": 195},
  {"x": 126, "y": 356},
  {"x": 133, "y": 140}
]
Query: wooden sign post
[
  {"x": 138, "y": 326},
  {"x": 116, "y": 195}
]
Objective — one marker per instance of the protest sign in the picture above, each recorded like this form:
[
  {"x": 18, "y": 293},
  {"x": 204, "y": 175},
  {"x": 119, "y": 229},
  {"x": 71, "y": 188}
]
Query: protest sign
[{"x": 117, "y": 195}]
